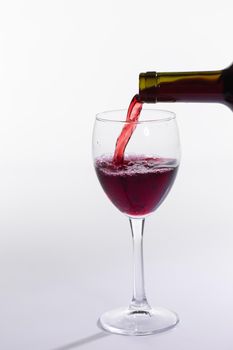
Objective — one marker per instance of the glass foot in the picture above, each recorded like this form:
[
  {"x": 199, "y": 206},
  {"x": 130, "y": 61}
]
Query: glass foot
[{"x": 129, "y": 321}]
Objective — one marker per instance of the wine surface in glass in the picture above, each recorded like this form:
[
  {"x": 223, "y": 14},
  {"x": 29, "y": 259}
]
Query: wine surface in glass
[{"x": 137, "y": 185}]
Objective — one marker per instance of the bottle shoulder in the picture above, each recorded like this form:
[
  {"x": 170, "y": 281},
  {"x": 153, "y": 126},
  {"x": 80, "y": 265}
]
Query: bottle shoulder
[{"x": 227, "y": 77}]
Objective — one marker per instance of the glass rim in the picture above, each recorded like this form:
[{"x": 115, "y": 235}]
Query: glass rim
[{"x": 170, "y": 116}]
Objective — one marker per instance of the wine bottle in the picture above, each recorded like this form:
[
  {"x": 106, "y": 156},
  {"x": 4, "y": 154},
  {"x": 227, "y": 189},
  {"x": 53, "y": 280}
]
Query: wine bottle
[{"x": 209, "y": 86}]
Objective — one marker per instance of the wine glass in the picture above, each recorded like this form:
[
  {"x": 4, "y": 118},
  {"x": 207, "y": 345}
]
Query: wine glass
[{"x": 137, "y": 186}]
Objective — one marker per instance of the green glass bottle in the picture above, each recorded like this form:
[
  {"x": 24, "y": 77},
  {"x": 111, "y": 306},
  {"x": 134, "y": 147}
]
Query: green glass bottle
[{"x": 209, "y": 86}]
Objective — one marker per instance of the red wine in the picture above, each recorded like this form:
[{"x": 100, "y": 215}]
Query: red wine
[
  {"x": 133, "y": 114},
  {"x": 137, "y": 185},
  {"x": 213, "y": 86}
]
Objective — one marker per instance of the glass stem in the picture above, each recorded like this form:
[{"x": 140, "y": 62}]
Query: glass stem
[{"x": 139, "y": 297}]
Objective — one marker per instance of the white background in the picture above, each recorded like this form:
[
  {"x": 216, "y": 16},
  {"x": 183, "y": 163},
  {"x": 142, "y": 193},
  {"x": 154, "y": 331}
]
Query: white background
[{"x": 65, "y": 251}]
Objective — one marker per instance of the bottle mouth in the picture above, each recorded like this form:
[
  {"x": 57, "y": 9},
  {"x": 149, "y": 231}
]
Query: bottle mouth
[
  {"x": 147, "y": 80},
  {"x": 147, "y": 86}
]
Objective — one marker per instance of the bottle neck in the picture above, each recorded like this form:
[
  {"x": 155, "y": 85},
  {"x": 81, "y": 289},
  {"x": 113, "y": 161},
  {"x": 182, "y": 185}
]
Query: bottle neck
[{"x": 181, "y": 87}]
